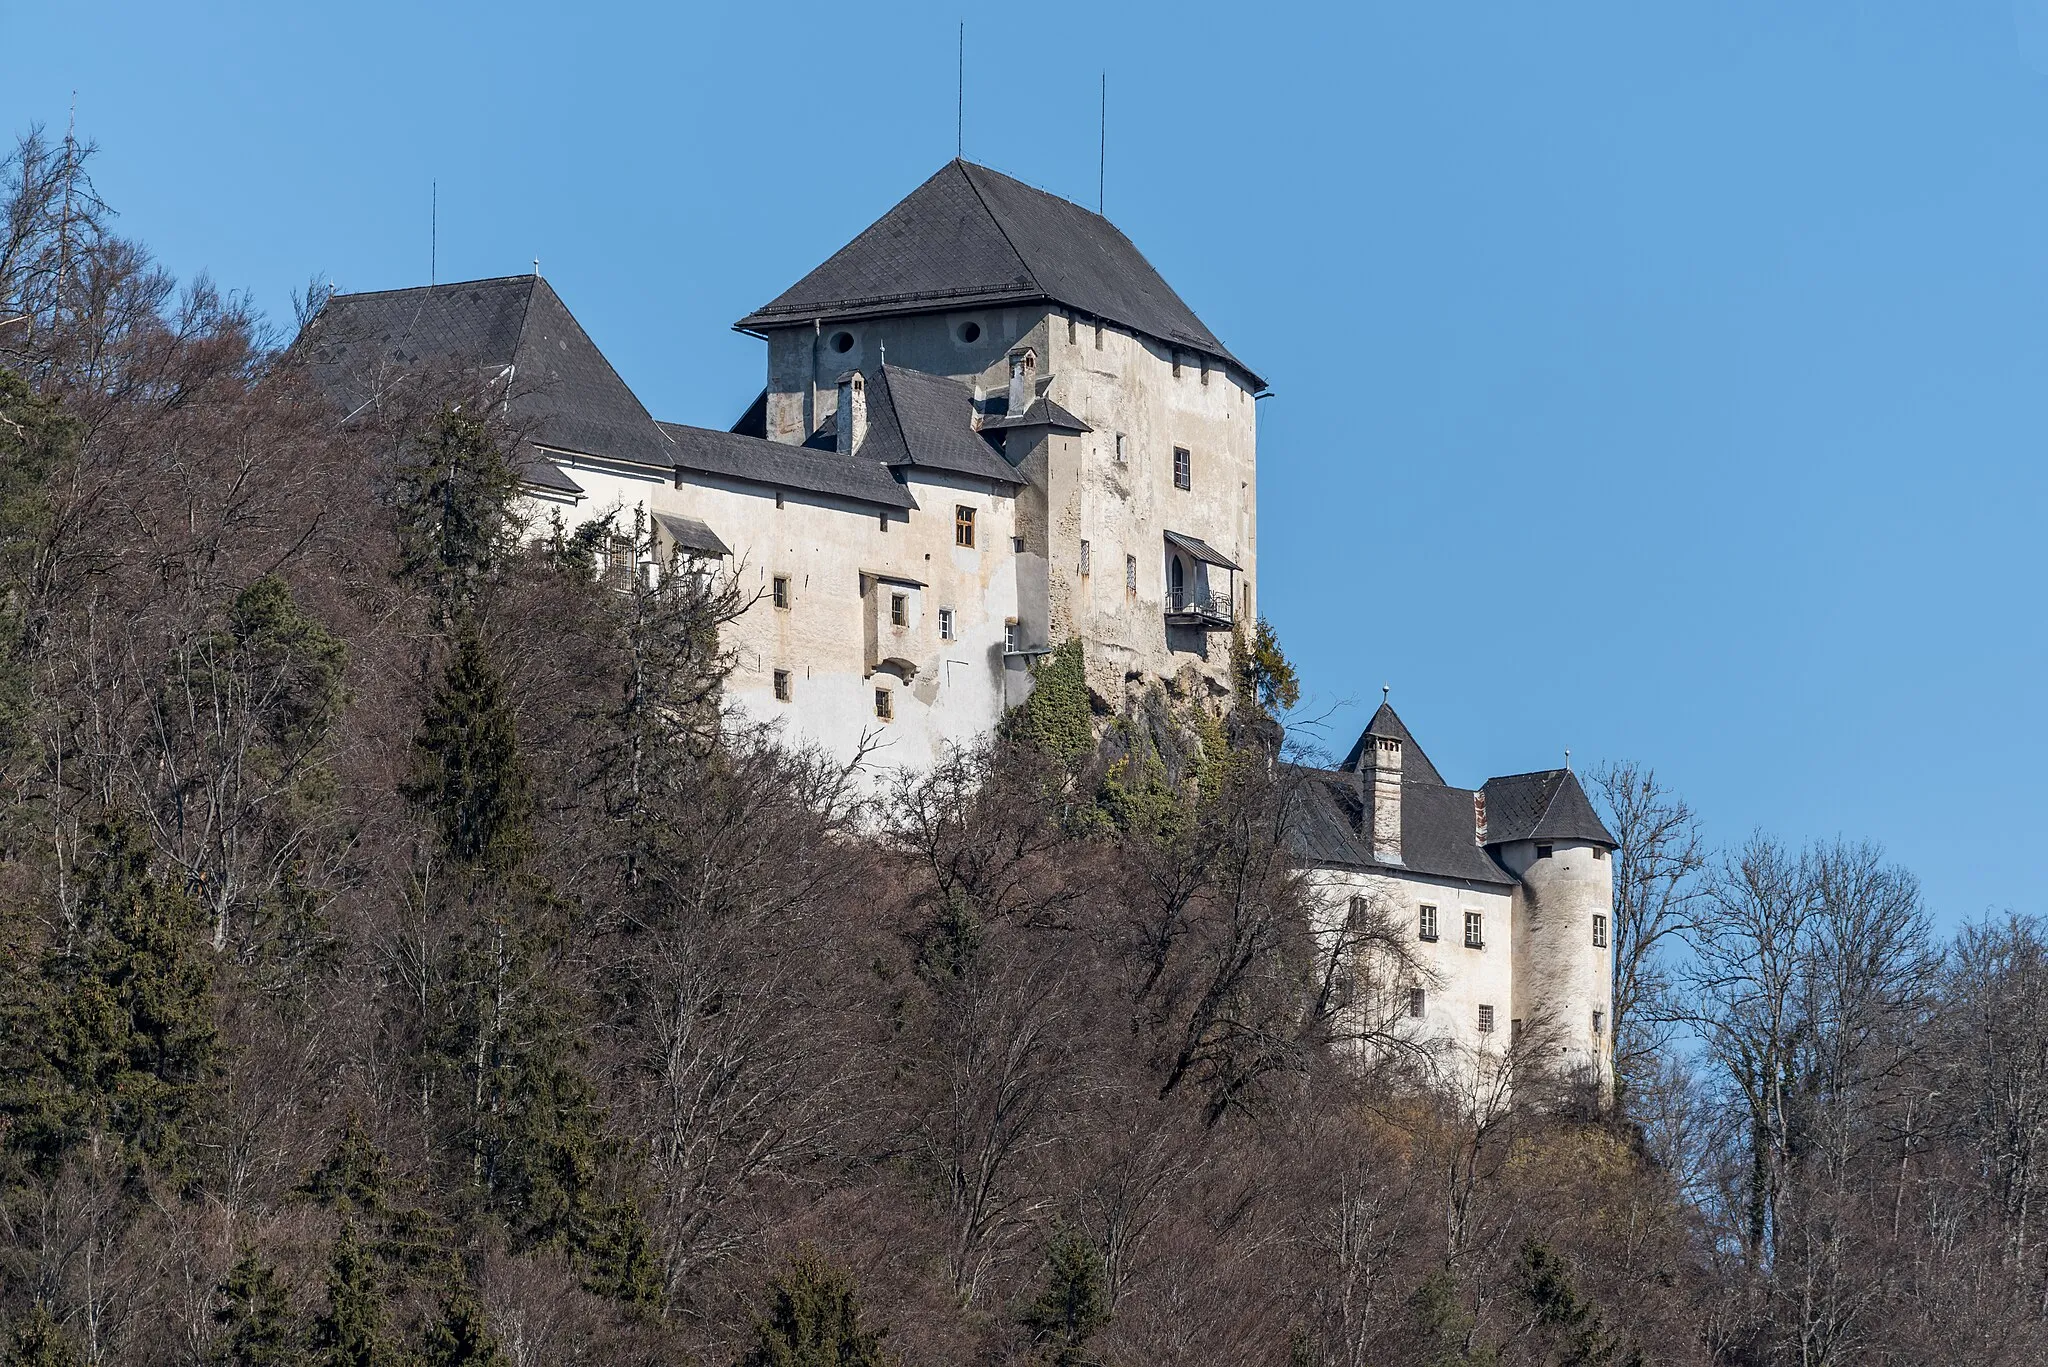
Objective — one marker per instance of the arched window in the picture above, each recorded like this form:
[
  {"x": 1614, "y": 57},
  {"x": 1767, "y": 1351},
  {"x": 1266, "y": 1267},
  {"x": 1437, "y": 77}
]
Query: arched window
[{"x": 1177, "y": 580}]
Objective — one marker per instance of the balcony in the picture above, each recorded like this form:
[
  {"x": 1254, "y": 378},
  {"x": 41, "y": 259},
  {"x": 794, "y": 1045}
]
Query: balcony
[{"x": 1197, "y": 608}]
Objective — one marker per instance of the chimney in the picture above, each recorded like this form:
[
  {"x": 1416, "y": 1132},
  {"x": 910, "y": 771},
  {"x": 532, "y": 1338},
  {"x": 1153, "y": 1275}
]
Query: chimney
[
  {"x": 1478, "y": 818},
  {"x": 1379, "y": 777},
  {"x": 1023, "y": 380},
  {"x": 853, "y": 411}
]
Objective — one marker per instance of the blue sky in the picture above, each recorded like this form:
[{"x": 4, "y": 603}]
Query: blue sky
[{"x": 1660, "y": 381}]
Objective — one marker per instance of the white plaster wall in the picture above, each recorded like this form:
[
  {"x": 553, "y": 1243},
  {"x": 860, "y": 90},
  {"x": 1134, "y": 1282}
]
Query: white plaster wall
[
  {"x": 1458, "y": 980},
  {"x": 1559, "y": 972},
  {"x": 830, "y": 549}
]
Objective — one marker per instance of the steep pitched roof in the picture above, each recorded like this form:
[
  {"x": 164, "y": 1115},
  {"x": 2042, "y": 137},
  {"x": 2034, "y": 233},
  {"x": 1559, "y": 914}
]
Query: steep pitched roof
[
  {"x": 921, "y": 421},
  {"x": 513, "y": 332},
  {"x": 1415, "y": 766},
  {"x": 1548, "y": 805},
  {"x": 972, "y": 237},
  {"x": 780, "y": 465},
  {"x": 1324, "y": 826}
]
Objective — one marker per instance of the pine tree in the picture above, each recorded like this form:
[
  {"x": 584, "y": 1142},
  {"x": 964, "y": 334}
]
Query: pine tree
[
  {"x": 350, "y": 1332},
  {"x": 461, "y": 1338},
  {"x": 1074, "y": 1304},
  {"x": 118, "y": 1038},
  {"x": 456, "y": 516},
  {"x": 814, "y": 1321},
  {"x": 469, "y": 775},
  {"x": 39, "y": 1341},
  {"x": 255, "y": 1318}
]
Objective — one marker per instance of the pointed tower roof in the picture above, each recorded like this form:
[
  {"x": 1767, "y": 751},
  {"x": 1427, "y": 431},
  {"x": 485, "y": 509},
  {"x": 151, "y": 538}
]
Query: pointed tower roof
[
  {"x": 1387, "y": 724},
  {"x": 971, "y": 237},
  {"x": 1547, "y": 805}
]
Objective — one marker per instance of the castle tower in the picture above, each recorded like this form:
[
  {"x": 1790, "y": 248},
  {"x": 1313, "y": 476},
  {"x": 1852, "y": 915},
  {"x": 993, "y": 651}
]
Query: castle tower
[{"x": 1544, "y": 831}]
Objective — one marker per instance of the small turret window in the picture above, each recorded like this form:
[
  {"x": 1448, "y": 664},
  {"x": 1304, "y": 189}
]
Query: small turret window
[
  {"x": 1545, "y": 851},
  {"x": 1599, "y": 932}
]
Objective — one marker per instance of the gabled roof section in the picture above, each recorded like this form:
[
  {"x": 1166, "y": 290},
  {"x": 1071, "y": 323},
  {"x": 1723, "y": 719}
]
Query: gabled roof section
[
  {"x": 1324, "y": 826},
  {"x": 779, "y": 465},
  {"x": 918, "y": 421},
  {"x": 1040, "y": 412},
  {"x": 972, "y": 237},
  {"x": 513, "y": 333},
  {"x": 1415, "y": 766},
  {"x": 1548, "y": 805}
]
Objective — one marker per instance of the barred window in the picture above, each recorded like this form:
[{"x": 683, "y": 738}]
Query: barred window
[
  {"x": 1486, "y": 1020},
  {"x": 1418, "y": 1003},
  {"x": 884, "y": 706},
  {"x": 1085, "y": 559}
]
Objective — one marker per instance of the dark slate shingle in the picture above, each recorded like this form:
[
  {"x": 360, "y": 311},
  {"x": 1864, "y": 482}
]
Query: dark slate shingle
[
  {"x": 779, "y": 465},
  {"x": 1546, "y": 805},
  {"x": 1415, "y": 765},
  {"x": 1437, "y": 837},
  {"x": 972, "y": 237}
]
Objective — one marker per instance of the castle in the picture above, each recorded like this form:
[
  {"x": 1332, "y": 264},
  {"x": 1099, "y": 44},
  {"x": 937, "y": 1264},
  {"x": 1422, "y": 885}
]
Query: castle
[{"x": 989, "y": 427}]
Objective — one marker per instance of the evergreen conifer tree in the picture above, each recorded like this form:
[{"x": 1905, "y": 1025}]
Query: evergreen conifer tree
[
  {"x": 39, "y": 1341},
  {"x": 1074, "y": 1304},
  {"x": 469, "y": 775},
  {"x": 456, "y": 519},
  {"x": 461, "y": 1338},
  {"x": 813, "y": 1321},
  {"x": 350, "y": 1332},
  {"x": 255, "y": 1318}
]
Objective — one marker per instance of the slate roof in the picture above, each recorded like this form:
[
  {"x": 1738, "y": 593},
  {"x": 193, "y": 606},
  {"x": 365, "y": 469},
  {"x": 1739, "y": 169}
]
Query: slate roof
[
  {"x": 1548, "y": 805},
  {"x": 971, "y": 237},
  {"x": 779, "y": 465},
  {"x": 514, "y": 331},
  {"x": 1437, "y": 837},
  {"x": 927, "y": 421},
  {"x": 1203, "y": 551},
  {"x": 1415, "y": 766},
  {"x": 1040, "y": 412},
  {"x": 691, "y": 534}
]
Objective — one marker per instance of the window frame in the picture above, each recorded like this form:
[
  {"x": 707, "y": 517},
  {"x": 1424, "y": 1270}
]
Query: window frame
[
  {"x": 899, "y": 609},
  {"x": 780, "y": 592},
  {"x": 963, "y": 526},
  {"x": 779, "y": 682},
  {"x": 1425, "y": 922},
  {"x": 885, "y": 705},
  {"x": 1087, "y": 562},
  {"x": 1183, "y": 468},
  {"x": 1475, "y": 930},
  {"x": 945, "y": 624},
  {"x": 1486, "y": 1018},
  {"x": 1418, "y": 1003},
  {"x": 1013, "y": 638},
  {"x": 1600, "y": 936}
]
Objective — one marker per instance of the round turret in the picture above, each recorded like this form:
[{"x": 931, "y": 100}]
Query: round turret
[{"x": 1564, "y": 966}]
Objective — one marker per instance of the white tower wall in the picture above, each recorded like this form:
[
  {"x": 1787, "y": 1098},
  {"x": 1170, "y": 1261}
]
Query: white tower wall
[{"x": 1562, "y": 978}]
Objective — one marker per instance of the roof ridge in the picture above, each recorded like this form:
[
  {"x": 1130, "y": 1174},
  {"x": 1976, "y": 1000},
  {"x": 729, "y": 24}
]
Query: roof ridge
[
  {"x": 435, "y": 285},
  {"x": 1030, "y": 271},
  {"x": 1532, "y": 773}
]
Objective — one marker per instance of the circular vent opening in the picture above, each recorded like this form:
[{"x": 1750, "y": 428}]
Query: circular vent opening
[
  {"x": 970, "y": 332},
  {"x": 842, "y": 342}
]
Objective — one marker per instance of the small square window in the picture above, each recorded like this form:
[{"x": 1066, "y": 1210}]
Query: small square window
[
  {"x": 1485, "y": 1020},
  {"x": 1122, "y": 452},
  {"x": 781, "y": 591},
  {"x": 1426, "y": 925},
  {"x": 1183, "y": 468},
  {"x": 782, "y": 685},
  {"x": 1017, "y": 544},
  {"x": 1011, "y": 642},
  {"x": 1084, "y": 557},
  {"x": 1599, "y": 931},
  {"x": 963, "y": 525},
  {"x": 1475, "y": 930},
  {"x": 1130, "y": 574},
  {"x": 884, "y": 706},
  {"x": 1545, "y": 851},
  {"x": 1418, "y": 1003},
  {"x": 945, "y": 624},
  {"x": 899, "y": 609},
  {"x": 1599, "y": 853}
]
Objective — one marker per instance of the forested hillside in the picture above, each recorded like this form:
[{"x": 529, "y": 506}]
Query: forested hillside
[{"x": 405, "y": 959}]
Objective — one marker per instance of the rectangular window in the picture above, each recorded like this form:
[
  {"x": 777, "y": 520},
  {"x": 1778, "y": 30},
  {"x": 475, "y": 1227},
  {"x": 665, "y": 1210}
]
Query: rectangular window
[
  {"x": 1426, "y": 928},
  {"x": 899, "y": 609},
  {"x": 1485, "y": 1020},
  {"x": 1515, "y": 1031},
  {"x": 1183, "y": 468},
  {"x": 782, "y": 685},
  {"x": 1011, "y": 643},
  {"x": 1599, "y": 932},
  {"x": 1084, "y": 557},
  {"x": 1600, "y": 1025},
  {"x": 1543, "y": 851},
  {"x": 945, "y": 624},
  {"x": 781, "y": 591},
  {"x": 884, "y": 708},
  {"x": 1176, "y": 365},
  {"x": 885, "y": 522},
  {"x": 1418, "y": 1003},
  {"x": 1205, "y": 370},
  {"x": 1070, "y": 329},
  {"x": 1098, "y": 334},
  {"x": 1475, "y": 930},
  {"x": 1130, "y": 574},
  {"x": 1122, "y": 452},
  {"x": 778, "y": 498},
  {"x": 963, "y": 525},
  {"x": 1599, "y": 853},
  {"x": 1017, "y": 545}
]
